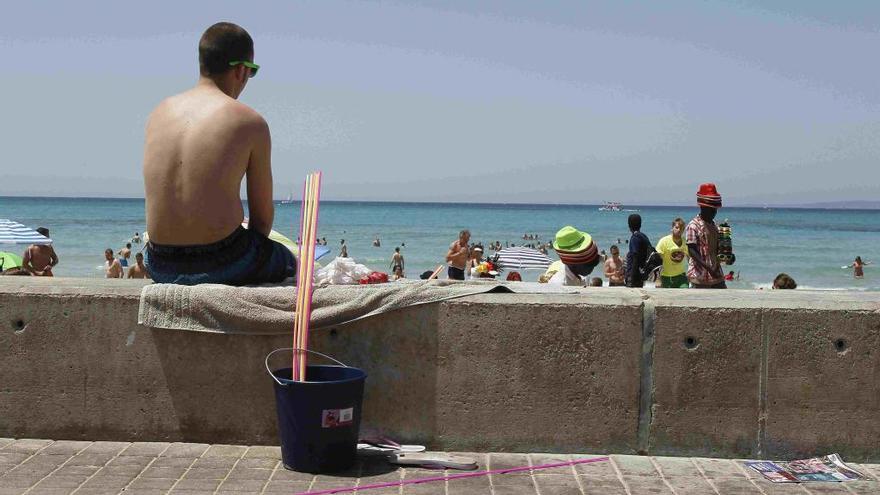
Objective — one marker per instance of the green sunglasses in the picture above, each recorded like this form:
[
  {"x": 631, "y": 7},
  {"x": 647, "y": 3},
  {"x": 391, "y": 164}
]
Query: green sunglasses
[{"x": 250, "y": 65}]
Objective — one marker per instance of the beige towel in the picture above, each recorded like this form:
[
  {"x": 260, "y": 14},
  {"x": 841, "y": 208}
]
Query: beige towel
[{"x": 270, "y": 310}]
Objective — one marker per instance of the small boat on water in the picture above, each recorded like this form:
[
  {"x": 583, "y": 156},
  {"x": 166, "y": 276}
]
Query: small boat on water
[
  {"x": 614, "y": 206},
  {"x": 289, "y": 200}
]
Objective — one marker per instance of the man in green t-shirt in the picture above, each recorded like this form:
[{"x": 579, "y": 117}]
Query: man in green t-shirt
[{"x": 674, "y": 252}]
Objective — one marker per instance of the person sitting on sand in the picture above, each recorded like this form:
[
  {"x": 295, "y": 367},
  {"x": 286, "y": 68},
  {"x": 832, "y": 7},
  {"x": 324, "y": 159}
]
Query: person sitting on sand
[
  {"x": 578, "y": 256},
  {"x": 199, "y": 146},
  {"x": 139, "y": 270},
  {"x": 113, "y": 268},
  {"x": 783, "y": 281},
  {"x": 39, "y": 259}
]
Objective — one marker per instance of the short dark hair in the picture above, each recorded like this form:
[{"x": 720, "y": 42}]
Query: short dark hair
[
  {"x": 128, "y": 245},
  {"x": 784, "y": 281},
  {"x": 635, "y": 222},
  {"x": 43, "y": 231},
  {"x": 595, "y": 282},
  {"x": 222, "y": 43}
]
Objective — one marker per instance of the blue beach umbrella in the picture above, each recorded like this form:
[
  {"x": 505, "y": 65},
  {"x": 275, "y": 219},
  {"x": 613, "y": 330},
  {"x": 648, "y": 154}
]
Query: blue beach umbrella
[{"x": 16, "y": 233}]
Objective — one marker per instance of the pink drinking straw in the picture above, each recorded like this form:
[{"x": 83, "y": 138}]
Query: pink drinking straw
[
  {"x": 313, "y": 234},
  {"x": 452, "y": 477},
  {"x": 294, "y": 370}
]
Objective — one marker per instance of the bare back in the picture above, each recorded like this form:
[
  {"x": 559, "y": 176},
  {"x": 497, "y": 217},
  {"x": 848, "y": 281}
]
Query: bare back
[{"x": 199, "y": 146}]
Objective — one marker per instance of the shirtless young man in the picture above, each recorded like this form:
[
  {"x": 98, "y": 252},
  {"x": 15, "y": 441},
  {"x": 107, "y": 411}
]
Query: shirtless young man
[
  {"x": 200, "y": 144},
  {"x": 39, "y": 259},
  {"x": 125, "y": 254},
  {"x": 614, "y": 269},
  {"x": 458, "y": 255},
  {"x": 113, "y": 269},
  {"x": 138, "y": 270}
]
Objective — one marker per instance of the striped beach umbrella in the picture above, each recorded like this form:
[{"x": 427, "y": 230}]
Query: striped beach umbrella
[
  {"x": 522, "y": 258},
  {"x": 16, "y": 233}
]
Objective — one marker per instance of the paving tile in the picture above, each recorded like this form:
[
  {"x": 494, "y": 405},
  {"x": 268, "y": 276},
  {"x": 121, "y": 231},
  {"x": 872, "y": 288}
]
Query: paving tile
[
  {"x": 129, "y": 471},
  {"x": 112, "y": 448},
  {"x": 326, "y": 482},
  {"x": 33, "y": 470},
  {"x": 693, "y": 485},
  {"x": 90, "y": 460},
  {"x": 145, "y": 491},
  {"x": 780, "y": 488},
  {"x": 68, "y": 447},
  {"x": 27, "y": 446},
  {"x": 514, "y": 490},
  {"x": 151, "y": 449},
  {"x": 176, "y": 462},
  {"x": 634, "y": 465},
  {"x": 466, "y": 486},
  {"x": 225, "y": 451},
  {"x": 62, "y": 481},
  {"x": 12, "y": 457},
  {"x": 257, "y": 463},
  {"x": 543, "y": 459},
  {"x": 215, "y": 463},
  {"x": 677, "y": 466},
  {"x": 151, "y": 484},
  {"x": 197, "y": 484},
  {"x": 98, "y": 490},
  {"x": 5, "y": 441},
  {"x": 76, "y": 471},
  {"x": 109, "y": 482},
  {"x": 191, "y": 450},
  {"x": 206, "y": 474},
  {"x": 647, "y": 485},
  {"x": 289, "y": 487},
  {"x": 282, "y": 474},
  {"x": 250, "y": 474},
  {"x": 192, "y": 492},
  {"x": 602, "y": 485},
  {"x": 166, "y": 472},
  {"x": 819, "y": 487},
  {"x": 17, "y": 481},
  {"x": 863, "y": 487},
  {"x": 719, "y": 468},
  {"x": 559, "y": 489},
  {"x": 50, "y": 491},
  {"x": 433, "y": 488},
  {"x": 47, "y": 460},
  {"x": 263, "y": 452},
  {"x": 505, "y": 461},
  {"x": 242, "y": 485},
  {"x": 735, "y": 486},
  {"x": 11, "y": 490},
  {"x": 130, "y": 460}
]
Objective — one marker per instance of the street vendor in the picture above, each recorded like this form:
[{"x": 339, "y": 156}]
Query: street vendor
[{"x": 578, "y": 256}]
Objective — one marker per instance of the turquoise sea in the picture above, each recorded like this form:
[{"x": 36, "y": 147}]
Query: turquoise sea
[{"x": 810, "y": 245}]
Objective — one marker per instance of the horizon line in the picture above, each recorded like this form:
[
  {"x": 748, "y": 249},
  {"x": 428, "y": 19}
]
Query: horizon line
[{"x": 870, "y": 205}]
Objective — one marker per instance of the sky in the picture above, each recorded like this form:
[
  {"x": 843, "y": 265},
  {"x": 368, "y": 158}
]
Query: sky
[{"x": 497, "y": 101}]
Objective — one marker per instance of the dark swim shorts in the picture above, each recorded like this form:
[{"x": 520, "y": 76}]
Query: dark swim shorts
[{"x": 244, "y": 257}]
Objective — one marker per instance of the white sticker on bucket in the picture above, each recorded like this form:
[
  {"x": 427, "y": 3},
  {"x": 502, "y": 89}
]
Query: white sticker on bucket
[{"x": 333, "y": 418}]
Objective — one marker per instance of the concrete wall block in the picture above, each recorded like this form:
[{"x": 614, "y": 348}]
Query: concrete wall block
[
  {"x": 823, "y": 388},
  {"x": 550, "y": 377},
  {"x": 707, "y": 364}
]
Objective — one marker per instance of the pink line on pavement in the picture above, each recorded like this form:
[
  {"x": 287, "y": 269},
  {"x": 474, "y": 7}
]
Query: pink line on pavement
[{"x": 453, "y": 477}]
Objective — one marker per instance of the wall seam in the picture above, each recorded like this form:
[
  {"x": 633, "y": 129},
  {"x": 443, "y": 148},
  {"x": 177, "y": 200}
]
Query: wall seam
[
  {"x": 762, "y": 388},
  {"x": 646, "y": 376}
]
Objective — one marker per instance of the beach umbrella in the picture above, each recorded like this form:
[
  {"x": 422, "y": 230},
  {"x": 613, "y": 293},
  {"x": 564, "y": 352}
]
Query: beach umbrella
[
  {"x": 16, "y": 233},
  {"x": 522, "y": 258},
  {"x": 9, "y": 260}
]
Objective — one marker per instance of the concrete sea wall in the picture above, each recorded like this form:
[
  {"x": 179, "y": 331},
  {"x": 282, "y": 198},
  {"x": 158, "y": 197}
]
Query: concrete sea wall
[{"x": 768, "y": 374}]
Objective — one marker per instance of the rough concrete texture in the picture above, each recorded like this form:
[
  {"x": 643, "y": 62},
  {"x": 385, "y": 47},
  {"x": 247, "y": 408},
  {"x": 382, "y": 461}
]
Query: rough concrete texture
[
  {"x": 43, "y": 467},
  {"x": 602, "y": 370},
  {"x": 707, "y": 364},
  {"x": 522, "y": 370}
]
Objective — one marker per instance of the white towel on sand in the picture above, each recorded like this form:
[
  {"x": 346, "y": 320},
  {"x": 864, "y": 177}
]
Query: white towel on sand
[{"x": 270, "y": 310}]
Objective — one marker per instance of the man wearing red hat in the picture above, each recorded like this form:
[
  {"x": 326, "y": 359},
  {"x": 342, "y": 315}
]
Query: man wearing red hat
[{"x": 704, "y": 269}]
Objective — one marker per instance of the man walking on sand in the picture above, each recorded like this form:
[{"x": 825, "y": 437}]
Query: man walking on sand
[
  {"x": 39, "y": 259},
  {"x": 458, "y": 255},
  {"x": 704, "y": 269},
  {"x": 200, "y": 145}
]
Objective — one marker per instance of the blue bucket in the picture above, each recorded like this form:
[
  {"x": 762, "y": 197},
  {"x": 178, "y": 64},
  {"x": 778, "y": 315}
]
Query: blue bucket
[{"x": 318, "y": 419}]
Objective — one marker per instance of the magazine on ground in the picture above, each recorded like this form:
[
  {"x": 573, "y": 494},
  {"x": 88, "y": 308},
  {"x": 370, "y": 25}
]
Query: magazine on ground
[{"x": 828, "y": 468}]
